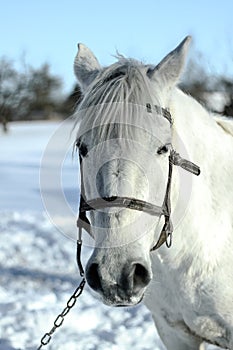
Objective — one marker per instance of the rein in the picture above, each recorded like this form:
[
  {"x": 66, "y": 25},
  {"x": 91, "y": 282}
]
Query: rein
[
  {"x": 70, "y": 303},
  {"x": 137, "y": 204}
]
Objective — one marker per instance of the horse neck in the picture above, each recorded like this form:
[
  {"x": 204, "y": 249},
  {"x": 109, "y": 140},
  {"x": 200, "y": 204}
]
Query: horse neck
[
  {"x": 192, "y": 125},
  {"x": 196, "y": 132},
  {"x": 198, "y": 227}
]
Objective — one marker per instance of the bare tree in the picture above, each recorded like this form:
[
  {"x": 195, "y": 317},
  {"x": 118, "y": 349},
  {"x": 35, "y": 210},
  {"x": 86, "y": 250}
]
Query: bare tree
[
  {"x": 43, "y": 92},
  {"x": 31, "y": 93},
  {"x": 214, "y": 91},
  {"x": 8, "y": 91},
  {"x": 72, "y": 100}
]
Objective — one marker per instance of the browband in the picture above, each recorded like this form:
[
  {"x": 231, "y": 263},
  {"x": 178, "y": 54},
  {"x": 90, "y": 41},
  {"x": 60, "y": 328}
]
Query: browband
[{"x": 160, "y": 110}]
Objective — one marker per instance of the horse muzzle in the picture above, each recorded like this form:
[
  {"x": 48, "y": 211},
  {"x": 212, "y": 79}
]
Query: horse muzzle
[{"x": 118, "y": 286}]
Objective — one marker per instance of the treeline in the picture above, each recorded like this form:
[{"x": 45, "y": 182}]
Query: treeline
[
  {"x": 30, "y": 93},
  {"x": 214, "y": 91}
]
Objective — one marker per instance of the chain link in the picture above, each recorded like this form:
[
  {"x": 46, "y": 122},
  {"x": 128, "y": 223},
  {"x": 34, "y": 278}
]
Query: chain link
[{"x": 60, "y": 318}]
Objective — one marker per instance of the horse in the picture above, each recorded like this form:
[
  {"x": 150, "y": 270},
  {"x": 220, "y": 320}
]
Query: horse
[{"x": 162, "y": 236}]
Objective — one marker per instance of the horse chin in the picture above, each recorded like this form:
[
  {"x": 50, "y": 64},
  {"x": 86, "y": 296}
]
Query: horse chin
[{"x": 117, "y": 302}]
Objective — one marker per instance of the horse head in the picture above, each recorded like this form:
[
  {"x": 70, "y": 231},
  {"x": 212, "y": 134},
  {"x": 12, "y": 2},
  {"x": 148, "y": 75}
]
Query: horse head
[{"x": 124, "y": 140}]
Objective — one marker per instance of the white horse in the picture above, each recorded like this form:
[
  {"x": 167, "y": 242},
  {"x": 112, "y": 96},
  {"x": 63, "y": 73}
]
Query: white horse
[{"x": 125, "y": 139}]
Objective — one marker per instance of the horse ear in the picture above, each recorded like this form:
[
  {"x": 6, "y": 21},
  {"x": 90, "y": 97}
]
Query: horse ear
[
  {"x": 86, "y": 66},
  {"x": 170, "y": 68}
]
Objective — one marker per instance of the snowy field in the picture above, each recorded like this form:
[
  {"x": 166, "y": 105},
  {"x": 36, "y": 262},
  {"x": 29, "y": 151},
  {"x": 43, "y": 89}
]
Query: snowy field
[{"x": 38, "y": 271}]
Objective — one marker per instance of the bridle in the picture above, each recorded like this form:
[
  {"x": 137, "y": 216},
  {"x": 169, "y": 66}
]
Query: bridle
[{"x": 138, "y": 204}]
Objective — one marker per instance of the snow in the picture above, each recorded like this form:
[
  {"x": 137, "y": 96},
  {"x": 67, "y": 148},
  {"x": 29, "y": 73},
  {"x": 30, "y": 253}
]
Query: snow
[{"x": 38, "y": 272}]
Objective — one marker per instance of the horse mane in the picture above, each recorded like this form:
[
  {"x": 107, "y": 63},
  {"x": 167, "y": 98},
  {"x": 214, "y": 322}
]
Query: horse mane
[{"x": 114, "y": 101}]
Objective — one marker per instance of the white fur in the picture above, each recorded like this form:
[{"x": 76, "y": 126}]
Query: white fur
[{"x": 191, "y": 293}]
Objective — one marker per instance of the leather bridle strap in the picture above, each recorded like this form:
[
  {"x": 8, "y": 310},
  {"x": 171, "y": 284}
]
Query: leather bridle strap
[
  {"x": 140, "y": 205},
  {"x": 160, "y": 110},
  {"x": 123, "y": 202},
  {"x": 167, "y": 230},
  {"x": 116, "y": 202}
]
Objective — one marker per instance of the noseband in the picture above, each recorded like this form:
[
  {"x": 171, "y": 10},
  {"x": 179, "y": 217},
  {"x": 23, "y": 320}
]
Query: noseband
[{"x": 137, "y": 204}]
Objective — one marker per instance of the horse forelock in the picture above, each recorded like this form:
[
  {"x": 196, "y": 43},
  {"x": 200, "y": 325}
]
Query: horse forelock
[
  {"x": 109, "y": 99},
  {"x": 124, "y": 80}
]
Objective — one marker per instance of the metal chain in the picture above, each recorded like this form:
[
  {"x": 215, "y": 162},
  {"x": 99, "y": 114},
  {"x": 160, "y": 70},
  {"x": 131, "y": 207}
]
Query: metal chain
[
  {"x": 72, "y": 300},
  {"x": 60, "y": 318}
]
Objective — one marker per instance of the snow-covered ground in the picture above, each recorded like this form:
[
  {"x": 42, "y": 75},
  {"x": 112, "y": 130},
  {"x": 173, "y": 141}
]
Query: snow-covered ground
[{"x": 38, "y": 271}]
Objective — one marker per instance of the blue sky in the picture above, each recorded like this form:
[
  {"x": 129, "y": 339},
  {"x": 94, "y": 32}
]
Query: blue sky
[{"x": 49, "y": 30}]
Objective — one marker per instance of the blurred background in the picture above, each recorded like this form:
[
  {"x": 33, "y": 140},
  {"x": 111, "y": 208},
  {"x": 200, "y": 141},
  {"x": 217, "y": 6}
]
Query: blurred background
[
  {"x": 38, "y": 94},
  {"x": 39, "y": 38}
]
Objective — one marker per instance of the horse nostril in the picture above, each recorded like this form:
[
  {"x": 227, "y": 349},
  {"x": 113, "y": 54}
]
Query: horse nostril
[
  {"x": 141, "y": 277},
  {"x": 132, "y": 279},
  {"x": 93, "y": 277}
]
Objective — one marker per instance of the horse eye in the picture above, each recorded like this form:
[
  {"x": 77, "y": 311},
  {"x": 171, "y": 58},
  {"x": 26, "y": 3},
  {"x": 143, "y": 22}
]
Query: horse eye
[
  {"x": 82, "y": 148},
  {"x": 163, "y": 149}
]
